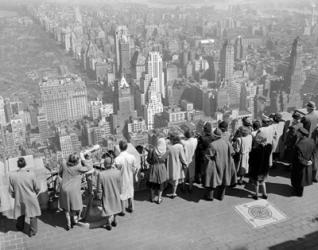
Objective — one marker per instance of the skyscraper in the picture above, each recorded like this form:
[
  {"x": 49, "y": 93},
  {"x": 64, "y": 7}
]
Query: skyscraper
[
  {"x": 154, "y": 105},
  {"x": 2, "y": 113},
  {"x": 64, "y": 99},
  {"x": 43, "y": 126},
  {"x": 238, "y": 48},
  {"x": 18, "y": 131},
  {"x": 122, "y": 48},
  {"x": 227, "y": 61},
  {"x": 296, "y": 77},
  {"x": 66, "y": 145},
  {"x": 124, "y": 106},
  {"x": 155, "y": 70}
]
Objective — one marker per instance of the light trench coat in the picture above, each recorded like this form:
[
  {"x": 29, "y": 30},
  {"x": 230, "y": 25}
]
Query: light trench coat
[
  {"x": 190, "y": 146},
  {"x": 245, "y": 145},
  {"x": 176, "y": 161},
  {"x": 24, "y": 189},
  {"x": 127, "y": 164}
]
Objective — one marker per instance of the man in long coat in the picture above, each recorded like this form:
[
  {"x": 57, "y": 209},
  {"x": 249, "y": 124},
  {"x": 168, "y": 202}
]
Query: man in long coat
[
  {"x": 301, "y": 174},
  {"x": 108, "y": 187},
  {"x": 127, "y": 164},
  {"x": 24, "y": 190},
  {"x": 220, "y": 171}
]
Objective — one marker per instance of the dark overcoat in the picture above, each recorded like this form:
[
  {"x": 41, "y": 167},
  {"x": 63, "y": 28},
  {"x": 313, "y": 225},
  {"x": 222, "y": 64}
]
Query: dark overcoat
[
  {"x": 202, "y": 148},
  {"x": 220, "y": 169},
  {"x": 301, "y": 174}
]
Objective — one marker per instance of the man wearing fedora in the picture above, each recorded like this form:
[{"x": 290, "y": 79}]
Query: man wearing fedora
[
  {"x": 312, "y": 116},
  {"x": 301, "y": 174},
  {"x": 220, "y": 171}
]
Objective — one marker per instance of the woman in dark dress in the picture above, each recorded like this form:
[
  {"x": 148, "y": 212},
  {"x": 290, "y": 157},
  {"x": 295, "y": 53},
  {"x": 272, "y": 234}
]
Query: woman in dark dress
[
  {"x": 259, "y": 163},
  {"x": 70, "y": 196},
  {"x": 204, "y": 141},
  {"x": 157, "y": 158}
]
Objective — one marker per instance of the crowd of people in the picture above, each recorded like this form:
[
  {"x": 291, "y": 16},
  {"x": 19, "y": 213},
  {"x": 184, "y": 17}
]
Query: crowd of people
[{"x": 213, "y": 158}]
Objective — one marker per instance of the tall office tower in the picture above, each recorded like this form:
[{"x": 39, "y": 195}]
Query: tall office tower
[
  {"x": 122, "y": 48},
  {"x": 76, "y": 144},
  {"x": 155, "y": 70},
  {"x": 226, "y": 65},
  {"x": 138, "y": 66},
  {"x": 296, "y": 77},
  {"x": 43, "y": 126},
  {"x": 64, "y": 99},
  {"x": 66, "y": 145},
  {"x": 7, "y": 109},
  {"x": 18, "y": 131},
  {"x": 154, "y": 105},
  {"x": 124, "y": 106},
  {"x": 95, "y": 109},
  {"x": 3, "y": 121},
  {"x": 238, "y": 49}
]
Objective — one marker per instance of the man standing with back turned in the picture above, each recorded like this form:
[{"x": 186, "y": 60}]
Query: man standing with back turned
[
  {"x": 127, "y": 164},
  {"x": 24, "y": 190}
]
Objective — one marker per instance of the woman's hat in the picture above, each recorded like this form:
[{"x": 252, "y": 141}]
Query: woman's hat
[
  {"x": 217, "y": 133},
  {"x": 266, "y": 119},
  {"x": 247, "y": 122},
  {"x": 207, "y": 128},
  {"x": 278, "y": 117}
]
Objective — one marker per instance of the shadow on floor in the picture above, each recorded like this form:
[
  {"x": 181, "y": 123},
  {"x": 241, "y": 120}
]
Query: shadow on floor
[
  {"x": 239, "y": 192},
  {"x": 54, "y": 219},
  {"x": 7, "y": 225},
  {"x": 279, "y": 188},
  {"x": 309, "y": 241},
  {"x": 195, "y": 195},
  {"x": 280, "y": 170},
  {"x": 142, "y": 195}
]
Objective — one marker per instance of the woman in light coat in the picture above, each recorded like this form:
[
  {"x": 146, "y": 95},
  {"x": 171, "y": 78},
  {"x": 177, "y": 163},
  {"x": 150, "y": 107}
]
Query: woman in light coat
[
  {"x": 70, "y": 196},
  {"x": 190, "y": 144},
  {"x": 176, "y": 163}
]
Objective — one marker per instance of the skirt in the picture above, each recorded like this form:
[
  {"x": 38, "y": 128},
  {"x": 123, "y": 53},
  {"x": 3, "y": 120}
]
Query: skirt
[{"x": 158, "y": 173}]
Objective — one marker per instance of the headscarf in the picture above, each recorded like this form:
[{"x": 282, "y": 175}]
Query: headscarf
[{"x": 161, "y": 147}]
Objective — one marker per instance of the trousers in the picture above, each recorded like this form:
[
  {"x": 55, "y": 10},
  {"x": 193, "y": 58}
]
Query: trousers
[{"x": 33, "y": 224}]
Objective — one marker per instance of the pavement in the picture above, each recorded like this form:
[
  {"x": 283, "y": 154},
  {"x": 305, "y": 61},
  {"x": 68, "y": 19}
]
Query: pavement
[{"x": 187, "y": 222}]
